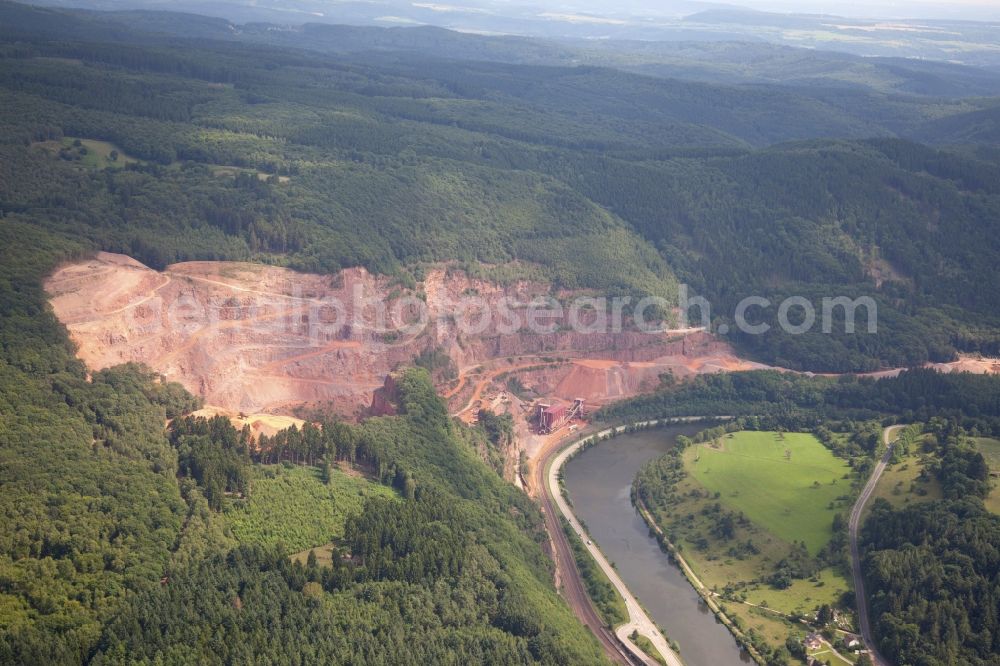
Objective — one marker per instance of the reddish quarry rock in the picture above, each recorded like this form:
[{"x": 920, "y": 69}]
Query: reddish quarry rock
[
  {"x": 385, "y": 399},
  {"x": 260, "y": 339}
]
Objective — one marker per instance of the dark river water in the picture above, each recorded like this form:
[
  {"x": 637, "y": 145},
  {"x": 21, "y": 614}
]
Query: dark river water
[{"x": 599, "y": 481}]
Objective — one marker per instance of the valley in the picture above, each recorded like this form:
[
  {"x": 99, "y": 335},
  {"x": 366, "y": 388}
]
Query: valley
[
  {"x": 267, "y": 347},
  {"x": 333, "y": 343}
]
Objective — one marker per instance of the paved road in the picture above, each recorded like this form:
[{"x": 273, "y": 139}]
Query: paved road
[
  {"x": 853, "y": 524},
  {"x": 638, "y": 619}
]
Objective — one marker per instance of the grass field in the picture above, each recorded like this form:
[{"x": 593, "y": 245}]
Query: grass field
[
  {"x": 900, "y": 485},
  {"x": 789, "y": 484},
  {"x": 789, "y": 487},
  {"x": 96, "y": 154},
  {"x": 293, "y": 506},
  {"x": 803, "y": 594},
  {"x": 773, "y": 627},
  {"x": 324, "y": 555},
  {"x": 990, "y": 448}
]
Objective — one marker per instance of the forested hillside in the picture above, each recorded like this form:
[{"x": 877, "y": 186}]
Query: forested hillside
[
  {"x": 932, "y": 568},
  {"x": 90, "y": 504},
  {"x": 394, "y": 161},
  {"x": 799, "y": 402},
  {"x": 452, "y": 573},
  {"x": 110, "y": 525}
]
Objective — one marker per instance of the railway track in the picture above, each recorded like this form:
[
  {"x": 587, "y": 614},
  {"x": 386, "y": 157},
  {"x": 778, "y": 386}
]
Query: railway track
[{"x": 572, "y": 584}]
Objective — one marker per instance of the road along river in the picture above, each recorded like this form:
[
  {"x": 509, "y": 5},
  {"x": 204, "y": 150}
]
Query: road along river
[{"x": 599, "y": 481}]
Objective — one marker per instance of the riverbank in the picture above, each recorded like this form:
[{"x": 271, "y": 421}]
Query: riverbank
[
  {"x": 639, "y": 620},
  {"x": 696, "y": 583},
  {"x": 598, "y": 476},
  {"x": 736, "y": 503}
]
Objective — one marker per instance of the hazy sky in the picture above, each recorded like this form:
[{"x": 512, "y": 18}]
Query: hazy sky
[
  {"x": 961, "y": 9},
  {"x": 968, "y": 9},
  {"x": 978, "y": 10}
]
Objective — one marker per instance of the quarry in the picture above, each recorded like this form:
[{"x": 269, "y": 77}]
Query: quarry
[{"x": 268, "y": 346}]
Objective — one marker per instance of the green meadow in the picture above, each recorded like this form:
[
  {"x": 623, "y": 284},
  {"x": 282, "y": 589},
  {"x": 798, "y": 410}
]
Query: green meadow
[
  {"x": 787, "y": 483},
  {"x": 782, "y": 489},
  {"x": 901, "y": 484},
  {"x": 990, "y": 448},
  {"x": 95, "y": 154}
]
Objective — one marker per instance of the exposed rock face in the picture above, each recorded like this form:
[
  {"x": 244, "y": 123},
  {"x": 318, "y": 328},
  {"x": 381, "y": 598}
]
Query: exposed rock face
[
  {"x": 385, "y": 399},
  {"x": 256, "y": 338},
  {"x": 624, "y": 346},
  {"x": 246, "y": 337}
]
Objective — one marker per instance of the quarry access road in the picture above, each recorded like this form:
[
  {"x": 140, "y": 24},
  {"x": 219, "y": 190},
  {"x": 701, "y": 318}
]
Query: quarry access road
[{"x": 490, "y": 376}]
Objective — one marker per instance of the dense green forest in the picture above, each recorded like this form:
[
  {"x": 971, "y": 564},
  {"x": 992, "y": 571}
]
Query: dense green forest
[
  {"x": 933, "y": 569},
  {"x": 800, "y": 402},
  {"x": 90, "y": 502},
  {"x": 396, "y": 160}
]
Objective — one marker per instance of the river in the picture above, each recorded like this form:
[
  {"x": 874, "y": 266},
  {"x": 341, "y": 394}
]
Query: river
[{"x": 599, "y": 481}]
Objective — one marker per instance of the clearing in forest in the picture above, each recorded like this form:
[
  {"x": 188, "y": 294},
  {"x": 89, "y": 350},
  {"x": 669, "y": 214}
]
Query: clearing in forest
[
  {"x": 292, "y": 505},
  {"x": 787, "y": 483},
  {"x": 990, "y": 448}
]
